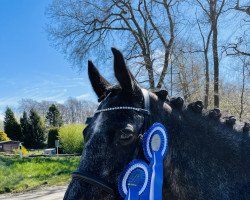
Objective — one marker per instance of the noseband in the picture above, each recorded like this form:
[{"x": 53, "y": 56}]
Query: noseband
[{"x": 99, "y": 182}]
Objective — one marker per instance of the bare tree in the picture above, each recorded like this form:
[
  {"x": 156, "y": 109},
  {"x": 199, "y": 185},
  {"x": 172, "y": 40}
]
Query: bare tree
[
  {"x": 188, "y": 76},
  {"x": 239, "y": 48},
  {"x": 241, "y": 44},
  {"x": 236, "y": 100},
  {"x": 245, "y": 64},
  {"x": 213, "y": 9},
  {"x": 72, "y": 110},
  {"x": 205, "y": 45},
  {"x": 245, "y": 9},
  {"x": 243, "y": 67},
  {"x": 28, "y": 104},
  {"x": 144, "y": 28}
]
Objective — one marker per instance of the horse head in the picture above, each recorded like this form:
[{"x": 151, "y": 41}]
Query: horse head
[{"x": 112, "y": 138}]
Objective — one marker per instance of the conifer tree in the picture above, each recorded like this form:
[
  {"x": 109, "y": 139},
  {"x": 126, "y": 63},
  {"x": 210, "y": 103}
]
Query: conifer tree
[
  {"x": 26, "y": 130},
  {"x": 54, "y": 117},
  {"x": 37, "y": 130},
  {"x": 11, "y": 126}
]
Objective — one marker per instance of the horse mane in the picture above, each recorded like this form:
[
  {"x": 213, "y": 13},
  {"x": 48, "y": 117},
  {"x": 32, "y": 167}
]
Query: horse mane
[{"x": 219, "y": 119}]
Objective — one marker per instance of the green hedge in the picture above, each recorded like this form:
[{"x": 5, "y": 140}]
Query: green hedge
[
  {"x": 53, "y": 135},
  {"x": 71, "y": 138}
]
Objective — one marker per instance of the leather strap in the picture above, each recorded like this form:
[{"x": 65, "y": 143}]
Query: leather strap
[
  {"x": 146, "y": 99},
  {"x": 146, "y": 123},
  {"x": 89, "y": 178}
]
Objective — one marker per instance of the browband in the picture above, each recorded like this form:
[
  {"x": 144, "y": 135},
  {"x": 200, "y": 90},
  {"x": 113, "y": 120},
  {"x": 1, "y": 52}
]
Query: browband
[{"x": 145, "y": 111}]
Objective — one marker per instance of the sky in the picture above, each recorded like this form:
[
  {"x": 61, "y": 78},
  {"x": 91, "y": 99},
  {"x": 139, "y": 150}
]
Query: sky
[{"x": 29, "y": 66}]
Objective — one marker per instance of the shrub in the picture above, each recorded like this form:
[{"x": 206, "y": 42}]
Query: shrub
[
  {"x": 24, "y": 151},
  {"x": 3, "y": 136},
  {"x": 71, "y": 138},
  {"x": 52, "y": 136}
]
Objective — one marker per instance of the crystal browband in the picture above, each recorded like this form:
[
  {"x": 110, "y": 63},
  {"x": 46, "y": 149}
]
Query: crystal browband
[{"x": 144, "y": 111}]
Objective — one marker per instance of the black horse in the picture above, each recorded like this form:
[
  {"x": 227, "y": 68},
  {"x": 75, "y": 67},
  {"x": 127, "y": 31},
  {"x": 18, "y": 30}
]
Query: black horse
[{"x": 208, "y": 156}]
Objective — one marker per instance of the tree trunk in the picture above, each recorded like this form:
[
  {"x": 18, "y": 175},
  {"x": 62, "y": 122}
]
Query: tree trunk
[
  {"x": 216, "y": 69},
  {"x": 164, "y": 70},
  {"x": 213, "y": 18},
  {"x": 242, "y": 92},
  {"x": 168, "y": 48},
  {"x": 207, "y": 80},
  {"x": 184, "y": 82},
  {"x": 149, "y": 67}
]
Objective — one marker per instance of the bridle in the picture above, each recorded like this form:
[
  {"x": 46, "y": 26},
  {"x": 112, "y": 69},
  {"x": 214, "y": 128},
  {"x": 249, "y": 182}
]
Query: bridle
[{"x": 99, "y": 182}]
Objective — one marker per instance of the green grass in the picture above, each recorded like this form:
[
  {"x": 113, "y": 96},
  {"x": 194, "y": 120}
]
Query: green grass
[{"x": 17, "y": 174}]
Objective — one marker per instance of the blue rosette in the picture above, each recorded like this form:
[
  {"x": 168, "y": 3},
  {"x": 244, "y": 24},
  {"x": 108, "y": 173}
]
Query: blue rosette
[
  {"x": 134, "y": 180},
  {"x": 155, "y": 145}
]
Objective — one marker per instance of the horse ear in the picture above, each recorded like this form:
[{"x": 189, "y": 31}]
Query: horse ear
[
  {"x": 162, "y": 94},
  {"x": 98, "y": 82},
  {"x": 122, "y": 73}
]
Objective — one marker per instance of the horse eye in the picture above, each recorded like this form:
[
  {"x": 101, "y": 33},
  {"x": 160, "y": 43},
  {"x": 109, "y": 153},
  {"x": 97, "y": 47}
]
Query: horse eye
[{"x": 126, "y": 137}]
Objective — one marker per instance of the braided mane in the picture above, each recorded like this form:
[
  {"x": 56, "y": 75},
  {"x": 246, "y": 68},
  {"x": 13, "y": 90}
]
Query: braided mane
[{"x": 213, "y": 114}]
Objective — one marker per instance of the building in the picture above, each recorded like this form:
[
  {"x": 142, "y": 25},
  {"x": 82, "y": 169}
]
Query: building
[
  {"x": 50, "y": 152},
  {"x": 9, "y": 146}
]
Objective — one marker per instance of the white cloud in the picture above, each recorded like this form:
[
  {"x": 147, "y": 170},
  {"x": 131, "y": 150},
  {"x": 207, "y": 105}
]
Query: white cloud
[
  {"x": 11, "y": 101},
  {"x": 83, "y": 97},
  {"x": 1, "y": 117}
]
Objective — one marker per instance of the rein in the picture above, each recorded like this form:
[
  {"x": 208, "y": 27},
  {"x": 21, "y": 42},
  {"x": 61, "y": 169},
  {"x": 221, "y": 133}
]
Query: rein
[{"x": 99, "y": 182}]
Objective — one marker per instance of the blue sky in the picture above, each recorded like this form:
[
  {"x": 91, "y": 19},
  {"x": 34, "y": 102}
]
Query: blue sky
[{"x": 29, "y": 66}]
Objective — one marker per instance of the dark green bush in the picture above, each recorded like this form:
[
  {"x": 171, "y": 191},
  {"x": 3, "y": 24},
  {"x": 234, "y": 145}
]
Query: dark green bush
[{"x": 53, "y": 135}]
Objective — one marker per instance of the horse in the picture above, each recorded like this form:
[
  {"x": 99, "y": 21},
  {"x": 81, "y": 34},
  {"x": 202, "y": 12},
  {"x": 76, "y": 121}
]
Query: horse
[{"x": 208, "y": 155}]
